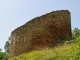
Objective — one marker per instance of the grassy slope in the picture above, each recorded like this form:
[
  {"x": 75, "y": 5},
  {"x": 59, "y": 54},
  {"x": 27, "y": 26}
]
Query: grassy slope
[{"x": 64, "y": 52}]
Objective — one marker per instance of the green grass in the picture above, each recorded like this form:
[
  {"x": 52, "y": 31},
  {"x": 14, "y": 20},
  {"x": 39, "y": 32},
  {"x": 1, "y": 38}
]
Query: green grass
[{"x": 64, "y": 52}]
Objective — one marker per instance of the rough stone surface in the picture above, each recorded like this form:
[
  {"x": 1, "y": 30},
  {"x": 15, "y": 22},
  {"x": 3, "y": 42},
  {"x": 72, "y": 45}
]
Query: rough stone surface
[{"x": 40, "y": 32}]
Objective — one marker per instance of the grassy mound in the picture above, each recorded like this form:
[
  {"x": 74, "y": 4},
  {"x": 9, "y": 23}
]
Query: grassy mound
[{"x": 64, "y": 52}]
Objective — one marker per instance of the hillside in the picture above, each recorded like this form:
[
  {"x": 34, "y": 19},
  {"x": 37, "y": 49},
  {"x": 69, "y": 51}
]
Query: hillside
[{"x": 67, "y": 51}]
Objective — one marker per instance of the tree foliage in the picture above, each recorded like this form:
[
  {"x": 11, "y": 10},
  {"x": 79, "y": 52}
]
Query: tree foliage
[
  {"x": 3, "y": 56},
  {"x": 0, "y": 49},
  {"x": 7, "y": 47},
  {"x": 75, "y": 33}
]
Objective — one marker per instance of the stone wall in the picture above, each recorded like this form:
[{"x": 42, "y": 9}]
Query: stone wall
[{"x": 40, "y": 32}]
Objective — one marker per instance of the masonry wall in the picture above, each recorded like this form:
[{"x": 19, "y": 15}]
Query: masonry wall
[{"x": 40, "y": 32}]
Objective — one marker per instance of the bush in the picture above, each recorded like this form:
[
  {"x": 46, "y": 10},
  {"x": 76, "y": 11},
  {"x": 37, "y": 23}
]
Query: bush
[
  {"x": 53, "y": 15},
  {"x": 63, "y": 39}
]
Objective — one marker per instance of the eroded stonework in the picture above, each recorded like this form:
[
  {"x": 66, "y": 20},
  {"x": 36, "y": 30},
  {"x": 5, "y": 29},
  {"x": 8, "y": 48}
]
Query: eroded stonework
[{"x": 40, "y": 32}]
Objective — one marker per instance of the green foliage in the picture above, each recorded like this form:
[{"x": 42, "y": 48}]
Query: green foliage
[
  {"x": 65, "y": 52},
  {"x": 3, "y": 56},
  {"x": 30, "y": 55},
  {"x": 0, "y": 50},
  {"x": 14, "y": 58},
  {"x": 78, "y": 47},
  {"x": 75, "y": 51},
  {"x": 7, "y": 46},
  {"x": 63, "y": 39},
  {"x": 75, "y": 33}
]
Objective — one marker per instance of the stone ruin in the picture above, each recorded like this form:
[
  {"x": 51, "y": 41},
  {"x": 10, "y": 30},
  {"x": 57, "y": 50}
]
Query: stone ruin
[{"x": 40, "y": 32}]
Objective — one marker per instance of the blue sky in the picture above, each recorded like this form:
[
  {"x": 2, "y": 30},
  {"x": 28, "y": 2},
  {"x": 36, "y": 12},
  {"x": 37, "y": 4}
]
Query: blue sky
[{"x": 14, "y": 13}]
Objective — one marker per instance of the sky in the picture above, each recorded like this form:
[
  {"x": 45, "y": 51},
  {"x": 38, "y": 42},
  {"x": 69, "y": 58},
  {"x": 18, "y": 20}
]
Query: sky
[{"x": 14, "y": 13}]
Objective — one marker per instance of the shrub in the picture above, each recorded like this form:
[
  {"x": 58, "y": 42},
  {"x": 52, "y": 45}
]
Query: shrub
[
  {"x": 63, "y": 39},
  {"x": 53, "y": 15}
]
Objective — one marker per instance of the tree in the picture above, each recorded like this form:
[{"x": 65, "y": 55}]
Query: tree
[
  {"x": 3, "y": 56},
  {"x": 7, "y": 46},
  {"x": 75, "y": 32},
  {"x": 0, "y": 49}
]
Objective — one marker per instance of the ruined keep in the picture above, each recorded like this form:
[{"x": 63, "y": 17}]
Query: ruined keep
[{"x": 40, "y": 32}]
